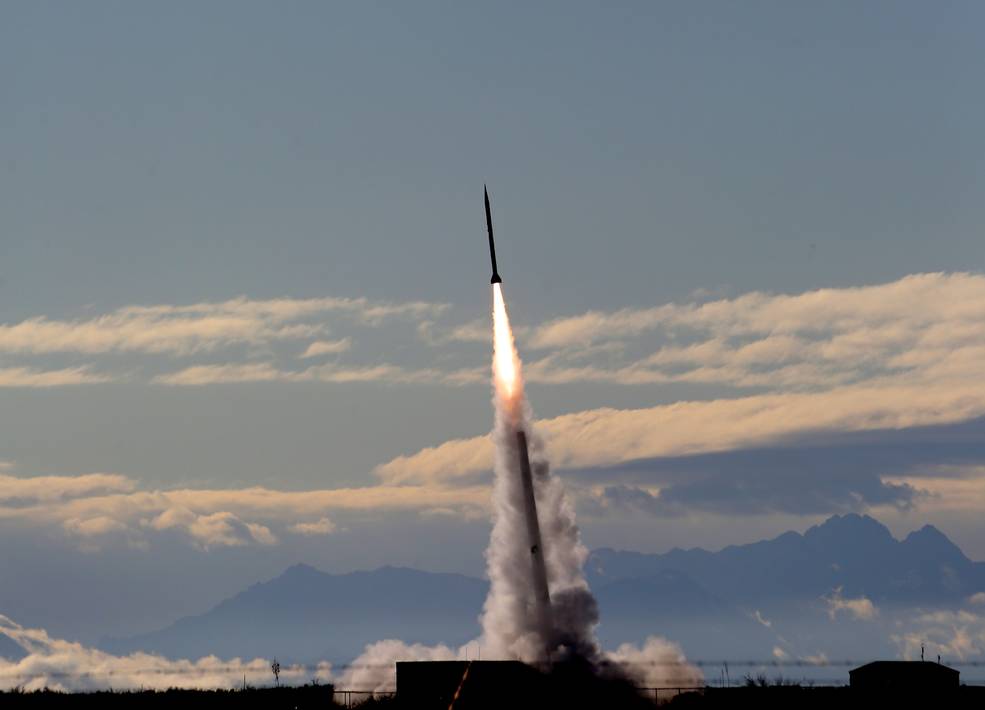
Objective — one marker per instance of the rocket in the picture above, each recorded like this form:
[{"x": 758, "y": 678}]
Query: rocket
[
  {"x": 496, "y": 279},
  {"x": 540, "y": 598}
]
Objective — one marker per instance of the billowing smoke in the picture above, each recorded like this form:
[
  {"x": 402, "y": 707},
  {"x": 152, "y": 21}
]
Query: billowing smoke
[
  {"x": 373, "y": 670},
  {"x": 513, "y": 622}
]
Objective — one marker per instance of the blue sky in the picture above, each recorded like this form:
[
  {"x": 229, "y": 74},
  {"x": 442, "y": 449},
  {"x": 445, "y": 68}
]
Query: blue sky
[{"x": 242, "y": 244}]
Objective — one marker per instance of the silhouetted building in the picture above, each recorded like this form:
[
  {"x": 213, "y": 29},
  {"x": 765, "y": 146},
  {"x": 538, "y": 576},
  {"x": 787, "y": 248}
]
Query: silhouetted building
[
  {"x": 433, "y": 684},
  {"x": 904, "y": 677}
]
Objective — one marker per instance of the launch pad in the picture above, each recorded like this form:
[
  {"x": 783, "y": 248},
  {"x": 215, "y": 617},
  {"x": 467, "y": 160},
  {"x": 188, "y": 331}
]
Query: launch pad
[{"x": 467, "y": 684}]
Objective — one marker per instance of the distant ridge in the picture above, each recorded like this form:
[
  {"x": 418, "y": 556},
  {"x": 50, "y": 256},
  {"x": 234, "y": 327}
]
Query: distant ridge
[
  {"x": 854, "y": 552},
  {"x": 763, "y": 598},
  {"x": 306, "y": 614}
]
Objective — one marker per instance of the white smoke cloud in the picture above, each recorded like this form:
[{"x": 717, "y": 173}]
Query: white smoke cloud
[
  {"x": 513, "y": 620},
  {"x": 515, "y": 625},
  {"x": 657, "y": 663},
  {"x": 65, "y": 665},
  {"x": 375, "y": 669}
]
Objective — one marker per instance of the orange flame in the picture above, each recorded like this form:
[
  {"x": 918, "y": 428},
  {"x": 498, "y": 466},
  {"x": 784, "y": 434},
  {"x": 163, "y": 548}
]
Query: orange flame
[{"x": 506, "y": 364}]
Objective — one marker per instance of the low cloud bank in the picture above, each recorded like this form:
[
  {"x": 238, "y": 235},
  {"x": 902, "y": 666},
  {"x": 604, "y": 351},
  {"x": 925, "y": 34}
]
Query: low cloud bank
[{"x": 66, "y": 665}]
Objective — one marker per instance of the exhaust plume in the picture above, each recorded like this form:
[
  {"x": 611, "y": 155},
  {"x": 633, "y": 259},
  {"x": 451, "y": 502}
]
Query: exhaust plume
[
  {"x": 539, "y": 609},
  {"x": 518, "y": 621}
]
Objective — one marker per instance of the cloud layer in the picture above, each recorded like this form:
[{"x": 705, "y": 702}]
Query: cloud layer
[
  {"x": 96, "y": 510},
  {"x": 57, "y": 664},
  {"x": 921, "y": 328}
]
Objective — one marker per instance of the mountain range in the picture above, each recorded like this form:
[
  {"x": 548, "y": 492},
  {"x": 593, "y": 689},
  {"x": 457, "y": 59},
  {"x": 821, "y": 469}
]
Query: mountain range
[{"x": 767, "y": 599}]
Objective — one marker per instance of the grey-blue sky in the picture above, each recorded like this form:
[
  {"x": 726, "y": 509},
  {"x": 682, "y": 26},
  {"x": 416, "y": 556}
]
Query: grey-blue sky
[
  {"x": 155, "y": 151},
  {"x": 178, "y": 153}
]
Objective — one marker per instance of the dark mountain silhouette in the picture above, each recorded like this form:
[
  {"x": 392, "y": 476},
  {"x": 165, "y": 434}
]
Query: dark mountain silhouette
[
  {"x": 854, "y": 552},
  {"x": 305, "y": 614},
  {"x": 675, "y": 606},
  {"x": 742, "y": 601}
]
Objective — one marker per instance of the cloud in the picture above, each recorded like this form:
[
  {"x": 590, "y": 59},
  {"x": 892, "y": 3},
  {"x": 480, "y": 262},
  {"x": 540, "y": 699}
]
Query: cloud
[
  {"x": 859, "y": 608},
  {"x": 198, "y": 327},
  {"x": 220, "y": 529},
  {"x": 924, "y": 325},
  {"x": 100, "y": 508},
  {"x": 68, "y": 666},
  {"x": 30, "y": 377},
  {"x": 952, "y": 634},
  {"x": 31, "y": 491},
  {"x": 200, "y": 375},
  {"x": 93, "y": 527},
  {"x": 606, "y": 437},
  {"x": 222, "y": 374},
  {"x": 977, "y": 598},
  {"x": 327, "y": 347},
  {"x": 811, "y": 475},
  {"x": 925, "y": 329},
  {"x": 322, "y": 526}
]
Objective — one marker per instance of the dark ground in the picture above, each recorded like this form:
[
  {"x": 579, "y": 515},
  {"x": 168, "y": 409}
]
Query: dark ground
[{"x": 789, "y": 697}]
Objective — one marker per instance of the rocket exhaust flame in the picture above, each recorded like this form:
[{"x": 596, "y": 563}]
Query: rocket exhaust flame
[{"x": 506, "y": 363}]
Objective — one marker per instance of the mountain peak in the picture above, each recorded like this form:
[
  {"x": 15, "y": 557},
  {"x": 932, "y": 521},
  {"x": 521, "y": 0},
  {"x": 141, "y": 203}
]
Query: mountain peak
[
  {"x": 931, "y": 541},
  {"x": 851, "y": 524},
  {"x": 301, "y": 570}
]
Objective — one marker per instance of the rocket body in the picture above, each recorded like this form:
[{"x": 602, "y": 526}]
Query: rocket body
[{"x": 496, "y": 279}]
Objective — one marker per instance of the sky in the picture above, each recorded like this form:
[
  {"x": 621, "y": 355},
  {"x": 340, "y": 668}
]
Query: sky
[{"x": 244, "y": 313}]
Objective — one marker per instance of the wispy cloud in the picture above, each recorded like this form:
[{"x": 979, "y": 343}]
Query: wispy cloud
[
  {"x": 47, "y": 489},
  {"x": 952, "y": 634},
  {"x": 327, "y": 347},
  {"x": 31, "y": 377},
  {"x": 603, "y": 437},
  {"x": 923, "y": 327},
  {"x": 322, "y": 526},
  {"x": 384, "y": 373},
  {"x": 927, "y": 325},
  {"x": 100, "y": 509},
  {"x": 198, "y": 327},
  {"x": 858, "y": 608}
]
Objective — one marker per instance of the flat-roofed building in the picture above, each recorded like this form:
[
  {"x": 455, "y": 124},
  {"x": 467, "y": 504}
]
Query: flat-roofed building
[{"x": 904, "y": 676}]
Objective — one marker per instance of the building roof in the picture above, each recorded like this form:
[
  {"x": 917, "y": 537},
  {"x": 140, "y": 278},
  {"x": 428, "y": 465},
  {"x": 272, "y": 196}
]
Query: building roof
[{"x": 921, "y": 667}]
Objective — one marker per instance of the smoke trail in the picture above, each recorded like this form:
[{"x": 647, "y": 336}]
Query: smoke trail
[{"x": 513, "y": 623}]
